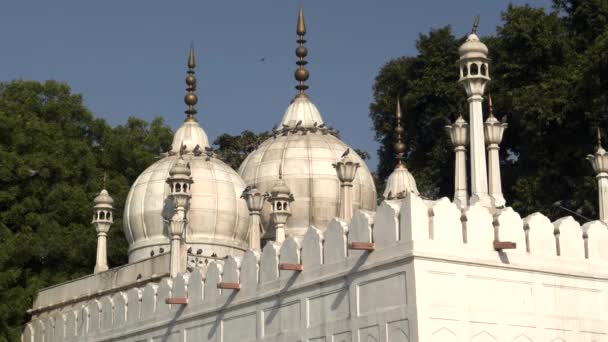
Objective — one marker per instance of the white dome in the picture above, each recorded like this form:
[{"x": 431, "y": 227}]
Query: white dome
[
  {"x": 217, "y": 218},
  {"x": 306, "y": 157},
  {"x": 400, "y": 183}
]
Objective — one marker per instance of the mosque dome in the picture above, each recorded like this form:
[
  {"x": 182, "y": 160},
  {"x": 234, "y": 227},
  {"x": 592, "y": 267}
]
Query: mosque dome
[
  {"x": 217, "y": 216},
  {"x": 304, "y": 149},
  {"x": 306, "y": 155}
]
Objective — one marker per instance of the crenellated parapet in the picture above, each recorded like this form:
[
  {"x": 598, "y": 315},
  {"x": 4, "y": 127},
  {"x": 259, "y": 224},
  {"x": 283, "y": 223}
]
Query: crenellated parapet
[{"x": 398, "y": 233}]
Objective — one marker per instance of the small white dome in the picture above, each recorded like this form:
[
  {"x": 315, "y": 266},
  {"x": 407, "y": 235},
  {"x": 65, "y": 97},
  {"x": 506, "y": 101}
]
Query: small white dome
[
  {"x": 400, "y": 183},
  {"x": 190, "y": 134},
  {"x": 302, "y": 110},
  {"x": 473, "y": 48}
]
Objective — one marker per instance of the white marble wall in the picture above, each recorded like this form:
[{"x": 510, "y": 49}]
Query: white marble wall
[{"x": 421, "y": 283}]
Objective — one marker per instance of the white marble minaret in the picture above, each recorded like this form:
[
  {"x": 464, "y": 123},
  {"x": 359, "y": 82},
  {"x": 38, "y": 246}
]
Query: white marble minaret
[
  {"x": 102, "y": 219},
  {"x": 459, "y": 135},
  {"x": 474, "y": 75},
  {"x": 280, "y": 199},
  {"x": 599, "y": 161},
  {"x": 179, "y": 182},
  {"x": 494, "y": 131}
]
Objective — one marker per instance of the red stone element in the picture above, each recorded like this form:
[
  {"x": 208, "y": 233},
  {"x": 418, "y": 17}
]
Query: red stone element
[
  {"x": 364, "y": 246},
  {"x": 229, "y": 286},
  {"x": 291, "y": 267},
  {"x": 500, "y": 245},
  {"x": 177, "y": 300}
]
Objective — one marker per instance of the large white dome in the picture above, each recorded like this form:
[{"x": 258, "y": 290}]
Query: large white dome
[
  {"x": 217, "y": 217},
  {"x": 306, "y": 154}
]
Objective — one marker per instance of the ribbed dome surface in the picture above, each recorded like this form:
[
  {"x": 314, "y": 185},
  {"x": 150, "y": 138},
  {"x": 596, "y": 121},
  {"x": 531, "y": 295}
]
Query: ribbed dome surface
[
  {"x": 218, "y": 217},
  {"x": 307, "y": 170}
]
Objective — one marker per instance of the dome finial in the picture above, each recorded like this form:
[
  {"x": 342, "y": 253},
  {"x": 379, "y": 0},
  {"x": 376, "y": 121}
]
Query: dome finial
[
  {"x": 399, "y": 145},
  {"x": 475, "y": 25},
  {"x": 105, "y": 175},
  {"x": 490, "y": 106},
  {"x": 301, "y": 73},
  {"x": 191, "y": 99},
  {"x": 599, "y": 137}
]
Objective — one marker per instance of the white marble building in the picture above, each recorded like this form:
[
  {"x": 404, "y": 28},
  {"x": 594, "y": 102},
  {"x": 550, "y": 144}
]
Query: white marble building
[{"x": 293, "y": 247}]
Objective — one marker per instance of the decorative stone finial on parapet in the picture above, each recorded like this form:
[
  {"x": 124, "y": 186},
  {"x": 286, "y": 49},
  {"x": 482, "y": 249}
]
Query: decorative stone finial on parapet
[
  {"x": 255, "y": 202},
  {"x": 599, "y": 162},
  {"x": 179, "y": 182},
  {"x": 494, "y": 130},
  {"x": 102, "y": 219},
  {"x": 459, "y": 135},
  {"x": 280, "y": 198},
  {"x": 474, "y": 76},
  {"x": 400, "y": 182},
  {"x": 346, "y": 169}
]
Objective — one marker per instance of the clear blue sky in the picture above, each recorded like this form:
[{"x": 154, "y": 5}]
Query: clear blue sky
[{"x": 128, "y": 57}]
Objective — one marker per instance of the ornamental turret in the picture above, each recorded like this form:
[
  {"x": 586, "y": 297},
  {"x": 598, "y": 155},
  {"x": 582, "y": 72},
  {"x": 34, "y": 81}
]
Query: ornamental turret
[
  {"x": 346, "y": 169},
  {"x": 102, "y": 220},
  {"x": 494, "y": 131},
  {"x": 474, "y": 76},
  {"x": 459, "y": 136},
  {"x": 179, "y": 182},
  {"x": 280, "y": 198},
  {"x": 599, "y": 162},
  {"x": 255, "y": 202},
  {"x": 400, "y": 182}
]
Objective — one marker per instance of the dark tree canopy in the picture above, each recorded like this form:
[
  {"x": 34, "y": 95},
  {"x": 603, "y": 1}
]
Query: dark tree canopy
[
  {"x": 548, "y": 76},
  {"x": 53, "y": 154}
]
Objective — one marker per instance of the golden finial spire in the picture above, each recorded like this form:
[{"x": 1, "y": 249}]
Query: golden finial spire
[
  {"x": 301, "y": 73},
  {"x": 475, "y": 25},
  {"x": 399, "y": 145},
  {"x": 191, "y": 99}
]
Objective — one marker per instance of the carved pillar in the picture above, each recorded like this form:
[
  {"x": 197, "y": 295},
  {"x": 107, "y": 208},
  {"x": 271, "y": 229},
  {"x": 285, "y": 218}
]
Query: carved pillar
[
  {"x": 346, "y": 169},
  {"x": 459, "y": 135},
  {"x": 255, "y": 201}
]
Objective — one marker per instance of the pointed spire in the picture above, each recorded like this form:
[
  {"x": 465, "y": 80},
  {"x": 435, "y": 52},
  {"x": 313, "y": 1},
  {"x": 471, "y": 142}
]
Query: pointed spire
[
  {"x": 399, "y": 145},
  {"x": 475, "y": 25},
  {"x": 191, "y": 99},
  {"x": 490, "y": 106},
  {"x": 599, "y": 138},
  {"x": 105, "y": 176},
  {"x": 301, "y": 73}
]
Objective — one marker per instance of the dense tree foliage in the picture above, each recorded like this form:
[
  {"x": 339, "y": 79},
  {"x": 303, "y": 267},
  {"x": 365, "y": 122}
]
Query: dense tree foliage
[
  {"x": 548, "y": 74},
  {"x": 53, "y": 154}
]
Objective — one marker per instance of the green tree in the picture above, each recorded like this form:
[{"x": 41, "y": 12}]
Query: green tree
[
  {"x": 430, "y": 98},
  {"x": 233, "y": 149},
  {"x": 547, "y": 76},
  {"x": 53, "y": 153}
]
